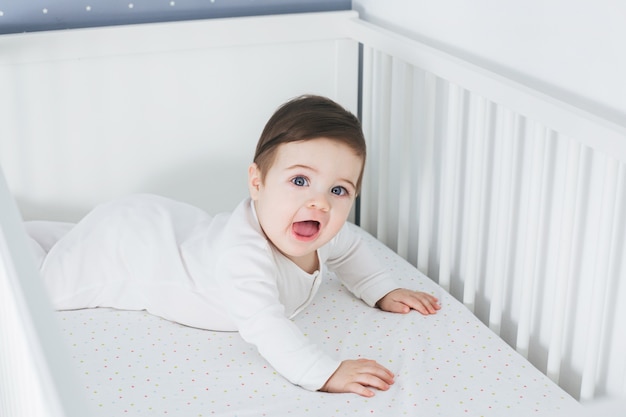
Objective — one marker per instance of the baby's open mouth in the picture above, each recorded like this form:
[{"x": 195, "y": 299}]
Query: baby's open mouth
[{"x": 307, "y": 228}]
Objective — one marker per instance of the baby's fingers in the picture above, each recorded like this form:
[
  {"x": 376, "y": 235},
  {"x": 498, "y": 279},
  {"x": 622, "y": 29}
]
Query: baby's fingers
[
  {"x": 375, "y": 370},
  {"x": 403, "y": 300},
  {"x": 426, "y": 304},
  {"x": 356, "y": 375},
  {"x": 361, "y": 389},
  {"x": 371, "y": 375}
]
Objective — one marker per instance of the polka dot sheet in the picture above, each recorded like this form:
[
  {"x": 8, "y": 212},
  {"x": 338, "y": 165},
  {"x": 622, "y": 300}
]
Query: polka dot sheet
[{"x": 450, "y": 364}]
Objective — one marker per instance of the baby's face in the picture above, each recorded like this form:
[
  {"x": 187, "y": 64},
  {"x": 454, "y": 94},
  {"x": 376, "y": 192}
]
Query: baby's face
[{"x": 306, "y": 196}]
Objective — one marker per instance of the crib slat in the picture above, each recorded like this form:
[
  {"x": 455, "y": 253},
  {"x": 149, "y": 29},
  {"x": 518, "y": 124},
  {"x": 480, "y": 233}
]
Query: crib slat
[
  {"x": 367, "y": 215},
  {"x": 473, "y": 241},
  {"x": 382, "y": 135},
  {"x": 449, "y": 174},
  {"x": 622, "y": 372},
  {"x": 533, "y": 245},
  {"x": 600, "y": 287},
  {"x": 518, "y": 189},
  {"x": 612, "y": 361},
  {"x": 498, "y": 254},
  {"x": 568, "y": 227},
  {"x": 404, "y": 195},
  {"x": 426, "y": 174},
  {"x": 377, "y": 137},
  {"x": 619, "y": 270}
]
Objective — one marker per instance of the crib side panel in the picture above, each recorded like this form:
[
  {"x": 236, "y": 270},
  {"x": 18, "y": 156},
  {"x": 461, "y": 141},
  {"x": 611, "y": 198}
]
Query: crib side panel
[
  {"x": 171, "y": 108},
  {"x": 510, "y": 199}
]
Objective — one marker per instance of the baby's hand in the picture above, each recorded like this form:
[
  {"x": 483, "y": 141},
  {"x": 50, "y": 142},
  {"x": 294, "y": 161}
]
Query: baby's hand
[
  {"x": 355, "y": 375},
  {"x": 403, "y": 300}
]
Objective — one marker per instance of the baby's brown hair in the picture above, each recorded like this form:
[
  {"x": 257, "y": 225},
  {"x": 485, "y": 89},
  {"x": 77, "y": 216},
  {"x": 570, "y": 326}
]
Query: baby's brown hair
[{"x": 309, "y": 117}]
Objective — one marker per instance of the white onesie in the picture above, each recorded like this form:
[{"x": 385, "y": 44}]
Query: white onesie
[{"x": 173, "y": 260}]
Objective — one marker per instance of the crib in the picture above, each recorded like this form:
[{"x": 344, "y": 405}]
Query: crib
[{"x": 505, "y": 201}]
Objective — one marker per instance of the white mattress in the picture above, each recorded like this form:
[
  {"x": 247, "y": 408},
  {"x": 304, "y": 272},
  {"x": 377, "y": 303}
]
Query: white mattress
[{"x": 449, "y": 364}]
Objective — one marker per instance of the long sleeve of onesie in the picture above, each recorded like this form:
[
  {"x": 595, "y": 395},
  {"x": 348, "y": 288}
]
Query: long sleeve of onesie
[
  {"x": 257, "y": 304},
  {"x": 260, "y": 317},
  {"x": 358, "y": 268},
  {"x": 263, "y": 290}
]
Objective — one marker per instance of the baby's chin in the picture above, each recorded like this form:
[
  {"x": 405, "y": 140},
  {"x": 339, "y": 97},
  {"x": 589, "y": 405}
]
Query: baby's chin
[{"x": 301, "y": 248}]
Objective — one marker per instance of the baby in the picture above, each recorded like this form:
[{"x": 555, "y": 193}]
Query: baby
[{"x": 250, "y": 271}]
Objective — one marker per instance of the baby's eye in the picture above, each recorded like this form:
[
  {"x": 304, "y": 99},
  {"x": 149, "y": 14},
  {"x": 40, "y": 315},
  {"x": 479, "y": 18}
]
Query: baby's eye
[
  {"x": 338, "y": 190},
  {"x": 300, "y": 181}
]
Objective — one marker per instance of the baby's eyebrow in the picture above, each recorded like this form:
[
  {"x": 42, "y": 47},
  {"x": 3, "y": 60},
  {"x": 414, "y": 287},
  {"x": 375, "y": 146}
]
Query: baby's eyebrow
[
  {"x": 351, "y": 183},
  {"x": 301, "y": 166}
]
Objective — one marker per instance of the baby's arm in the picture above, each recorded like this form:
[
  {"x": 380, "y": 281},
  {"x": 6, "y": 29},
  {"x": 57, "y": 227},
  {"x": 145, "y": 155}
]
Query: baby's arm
[
  {"x": 356, "y": 375},
  {"x": 367, "y": 277},
  {"x": 402, "y": 301}
]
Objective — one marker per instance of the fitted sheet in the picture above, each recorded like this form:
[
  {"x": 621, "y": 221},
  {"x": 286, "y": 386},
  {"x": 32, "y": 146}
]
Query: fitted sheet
[{"x": 448, "y": 364}]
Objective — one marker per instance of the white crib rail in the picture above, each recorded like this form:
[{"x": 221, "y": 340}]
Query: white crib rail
[
  {"x": 35, "y": 376},
  {"x": 512, "y": 200}
]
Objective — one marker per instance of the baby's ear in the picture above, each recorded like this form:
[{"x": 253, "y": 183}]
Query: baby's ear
[{"x": 254, "y": 180}]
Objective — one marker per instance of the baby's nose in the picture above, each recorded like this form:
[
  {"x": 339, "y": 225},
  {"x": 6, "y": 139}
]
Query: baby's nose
[{"x": 320, "y": 202}]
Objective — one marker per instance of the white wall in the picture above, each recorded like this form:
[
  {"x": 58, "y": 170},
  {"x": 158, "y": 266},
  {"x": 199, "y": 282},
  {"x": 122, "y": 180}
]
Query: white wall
[{"x": 574, "y": 49}]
